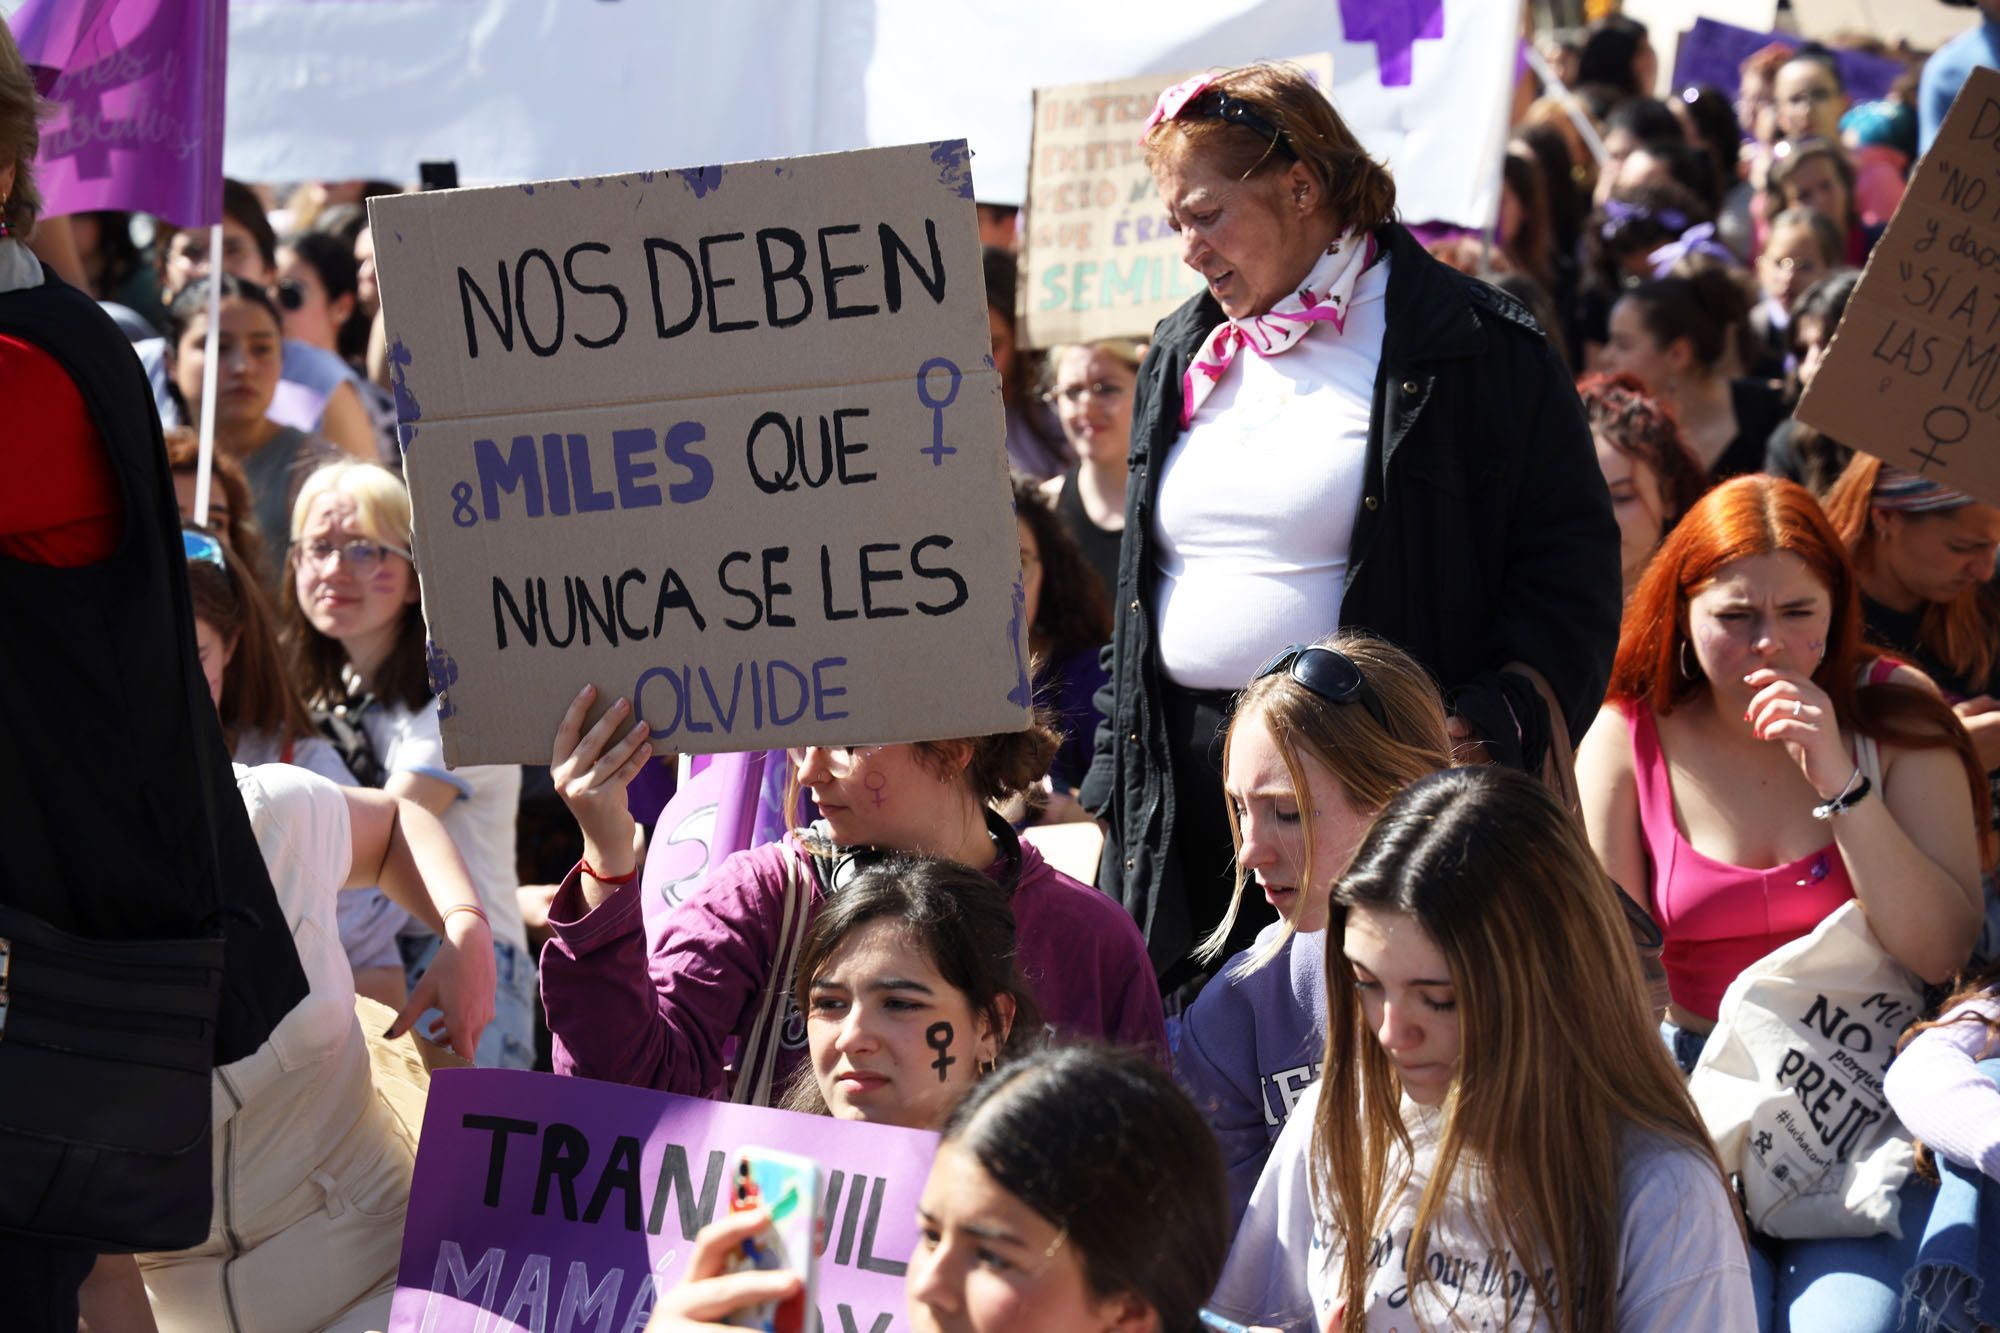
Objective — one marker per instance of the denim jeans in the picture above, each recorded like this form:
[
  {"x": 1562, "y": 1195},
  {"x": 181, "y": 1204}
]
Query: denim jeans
[
  {"x": 1850, "y": 1284},
  {"x": 509, "y": 1040},
  {"x": 1954, "y": 1286},
  {"x": 1683, "y": 1045}
]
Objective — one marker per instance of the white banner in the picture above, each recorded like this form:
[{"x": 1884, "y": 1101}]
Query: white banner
[{"x": 535, "y": 89}]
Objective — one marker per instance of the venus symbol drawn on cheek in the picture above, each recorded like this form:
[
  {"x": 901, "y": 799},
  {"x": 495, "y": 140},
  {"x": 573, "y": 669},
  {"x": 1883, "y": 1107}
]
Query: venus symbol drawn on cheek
[
  {"x": 877, "y": 783},
  {"x": 938, "y": 1037}
]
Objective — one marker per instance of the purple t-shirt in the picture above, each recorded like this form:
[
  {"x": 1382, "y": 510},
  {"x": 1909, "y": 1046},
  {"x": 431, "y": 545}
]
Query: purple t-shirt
[{"x": 662, "y": 1021}]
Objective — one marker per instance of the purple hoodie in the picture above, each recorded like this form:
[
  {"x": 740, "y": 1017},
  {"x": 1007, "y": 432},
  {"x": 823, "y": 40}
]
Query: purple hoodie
[
  {"x": 663, "y": 1021},
  {"x": 1249, "y": 1046}
]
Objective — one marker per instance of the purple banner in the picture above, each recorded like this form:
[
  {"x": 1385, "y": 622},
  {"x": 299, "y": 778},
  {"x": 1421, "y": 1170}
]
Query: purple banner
[
  {"x": 138, "y": 87},
  {"x": 1712, "y": 53},
  {"x": 544, "y": 1203}
]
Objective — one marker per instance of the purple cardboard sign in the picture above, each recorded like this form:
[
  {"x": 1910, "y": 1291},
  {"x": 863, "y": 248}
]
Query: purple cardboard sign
[{"x": 542, "y": 1202}]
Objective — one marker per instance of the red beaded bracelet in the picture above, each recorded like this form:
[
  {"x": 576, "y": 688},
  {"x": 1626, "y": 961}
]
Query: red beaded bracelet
[{"x": 602, "y": 878}]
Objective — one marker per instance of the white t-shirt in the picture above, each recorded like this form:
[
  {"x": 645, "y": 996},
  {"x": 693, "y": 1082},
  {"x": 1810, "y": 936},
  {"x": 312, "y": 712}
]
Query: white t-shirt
[
  {"x": 315, "y": 754},
  {"x": 308, "y": 1161},
  {"x": 1682, "y": 1261},
  {"x": 480, "y": 820},
  {"x": 1258, "y": 498}
]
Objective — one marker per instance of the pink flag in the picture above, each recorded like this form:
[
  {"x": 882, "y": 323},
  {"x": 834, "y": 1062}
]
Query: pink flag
[{"x": 138, "y": 87}]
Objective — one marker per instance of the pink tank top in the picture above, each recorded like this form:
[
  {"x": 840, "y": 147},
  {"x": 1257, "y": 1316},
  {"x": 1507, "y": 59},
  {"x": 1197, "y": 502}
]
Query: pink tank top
[{"x": 1719, "y": 918}]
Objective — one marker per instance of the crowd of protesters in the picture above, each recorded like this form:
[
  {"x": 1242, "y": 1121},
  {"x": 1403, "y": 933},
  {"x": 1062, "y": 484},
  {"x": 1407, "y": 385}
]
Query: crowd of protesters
[{"x": 1462, "y": 667}]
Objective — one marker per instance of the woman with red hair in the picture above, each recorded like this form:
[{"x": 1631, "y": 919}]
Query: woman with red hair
[
  {"x": 1652, "y": 476},
  {"x": 1723, "y": 787}
]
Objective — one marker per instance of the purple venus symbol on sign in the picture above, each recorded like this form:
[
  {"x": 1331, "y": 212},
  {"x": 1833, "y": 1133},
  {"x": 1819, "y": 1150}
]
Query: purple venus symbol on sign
[{"x": 1394, "y": 26}]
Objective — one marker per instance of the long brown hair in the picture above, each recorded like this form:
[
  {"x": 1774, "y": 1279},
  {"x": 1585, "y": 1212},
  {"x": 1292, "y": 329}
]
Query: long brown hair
[
  {"x": 226, "y": 476},
  {"x": 1558, "y": 1055},
  {"x": 257, "y": 695},
  {"x": 1074, "y": 612},
  {"x": 1757, "y": 515},
  {"x": 21, "y": 110},
  {"x": 1963, "y": 633},
  {"x": 1371, "y": 761}
]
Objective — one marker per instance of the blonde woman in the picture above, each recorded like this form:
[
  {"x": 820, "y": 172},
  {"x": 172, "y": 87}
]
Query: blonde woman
[
  {"x": 356, "y": 639},
  {"x": 1499, "y": 1140},
  {"x": 1321, "y": 740}
]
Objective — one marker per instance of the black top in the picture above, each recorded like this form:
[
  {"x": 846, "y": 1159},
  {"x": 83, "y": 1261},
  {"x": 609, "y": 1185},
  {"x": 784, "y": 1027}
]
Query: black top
[
  {"x": 119, "y": 814},
  {"x": 1901, "y": 632},
  {"x": 1100, "y": 548},
  {"x": 1759, "y": 407},
  {"x": 1484, "y": 536}
]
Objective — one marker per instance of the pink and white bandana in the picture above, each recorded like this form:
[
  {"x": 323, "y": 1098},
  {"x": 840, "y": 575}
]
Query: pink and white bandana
[
  {"x": 1172, "y": 100},
  {"x": 1321, "y": 299}
]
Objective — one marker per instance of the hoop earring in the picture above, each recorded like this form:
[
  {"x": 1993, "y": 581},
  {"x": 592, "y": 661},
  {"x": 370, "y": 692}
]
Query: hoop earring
[
  {"x": 986, "y": 1067},
  {"x": 1687, "y": 663}
]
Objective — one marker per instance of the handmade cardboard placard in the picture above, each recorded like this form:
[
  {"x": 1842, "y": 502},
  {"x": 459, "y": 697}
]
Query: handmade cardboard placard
[
  {"x": 1099, "y": 260},
  {"x": 1913, "y": 373},
  {"x": 726, "y": 442},
  {"x": 542, "y": 1202}
]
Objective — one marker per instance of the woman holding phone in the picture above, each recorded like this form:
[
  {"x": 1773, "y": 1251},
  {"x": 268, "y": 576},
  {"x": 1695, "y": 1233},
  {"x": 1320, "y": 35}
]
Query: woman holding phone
[{"x": 1075, "y": 1189}]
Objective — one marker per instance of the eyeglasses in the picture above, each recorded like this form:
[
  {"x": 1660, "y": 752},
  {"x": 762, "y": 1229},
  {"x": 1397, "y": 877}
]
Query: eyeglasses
[
  {"x": 840, "y": 759},
  {"x": 363, "y": 557},
  {"x": 1073, "y": 395},
  {"x": 198, "y": 545},
  {"x": 1329, "y": 673}
]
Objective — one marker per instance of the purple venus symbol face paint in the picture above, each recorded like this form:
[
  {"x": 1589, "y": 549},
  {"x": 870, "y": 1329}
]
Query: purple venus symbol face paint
[
  {"x": 1395, "y": 27},
  {"x": 877, "y": 783}
]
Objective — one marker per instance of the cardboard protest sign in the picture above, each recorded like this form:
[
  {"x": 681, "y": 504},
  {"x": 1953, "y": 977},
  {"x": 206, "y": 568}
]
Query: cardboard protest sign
[
  {"x": 1913, "y": 374},
  {"x": 1098, "y": 260},
  {"x": 727, "y": 442},
  {"x": 542, "y": 1202}
]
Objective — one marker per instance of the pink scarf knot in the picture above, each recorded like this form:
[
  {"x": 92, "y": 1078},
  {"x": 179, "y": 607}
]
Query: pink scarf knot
[{"x": 1321, "y": 299}]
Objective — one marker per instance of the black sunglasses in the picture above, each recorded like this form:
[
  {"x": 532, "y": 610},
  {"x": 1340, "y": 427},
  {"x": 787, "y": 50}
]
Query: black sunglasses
[
  {"x": 1329, "y": 673},
  {"x": 1237, "y": 112}
]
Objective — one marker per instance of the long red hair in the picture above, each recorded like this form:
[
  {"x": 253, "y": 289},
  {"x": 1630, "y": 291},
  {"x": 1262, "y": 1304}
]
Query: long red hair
[
  {"x": 1759, "y": 515},
  {"x": 1963, "y": 631}
]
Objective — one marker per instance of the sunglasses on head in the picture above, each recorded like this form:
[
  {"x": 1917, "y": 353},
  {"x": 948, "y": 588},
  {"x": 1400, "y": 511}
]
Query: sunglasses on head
[{"x": 1328, "y": 673}]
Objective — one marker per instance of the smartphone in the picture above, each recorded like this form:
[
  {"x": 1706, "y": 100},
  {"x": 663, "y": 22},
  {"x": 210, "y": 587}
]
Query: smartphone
[{"x": 788, "y": 1187}]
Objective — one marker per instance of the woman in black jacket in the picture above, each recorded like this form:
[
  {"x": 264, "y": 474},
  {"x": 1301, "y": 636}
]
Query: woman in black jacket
[{"x": 1341, "y": 432}]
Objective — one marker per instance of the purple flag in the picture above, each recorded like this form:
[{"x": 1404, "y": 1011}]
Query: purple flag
[
  {"x": 542, "y": 1202},
  {"x": 138, "y": 87},
  {"x": 714, "y": 814}
]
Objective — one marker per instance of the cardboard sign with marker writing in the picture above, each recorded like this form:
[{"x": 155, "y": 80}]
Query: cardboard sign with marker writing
[
  {"x": 726, "y": 442},
  {"x": 1913, "y": 374},
  {"x": 1099, "y": 260}
]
